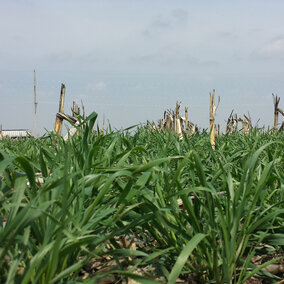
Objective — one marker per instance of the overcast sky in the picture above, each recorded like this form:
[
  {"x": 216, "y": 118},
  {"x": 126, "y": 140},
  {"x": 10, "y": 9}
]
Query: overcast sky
[{"x": 131, "y": 60}]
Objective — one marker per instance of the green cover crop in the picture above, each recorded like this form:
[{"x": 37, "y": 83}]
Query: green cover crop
[{"x": 192, "y": 212}]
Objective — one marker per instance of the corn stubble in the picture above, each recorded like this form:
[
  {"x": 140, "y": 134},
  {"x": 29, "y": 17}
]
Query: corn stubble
[{"x": 193, "y": 213}]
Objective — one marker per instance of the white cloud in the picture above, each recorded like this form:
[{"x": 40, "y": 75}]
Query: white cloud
[
  {"x": 271, "y": 50},
  {"x": 173, "y": 57},
  {"x": 180, "y": 15},
  {"x": 166, "y": 22},
  {"x": 96, "y": 87}
]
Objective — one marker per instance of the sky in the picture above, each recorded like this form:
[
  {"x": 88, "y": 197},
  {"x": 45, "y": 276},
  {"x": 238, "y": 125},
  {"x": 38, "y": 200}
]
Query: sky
[{"x": 129, "y": 60}]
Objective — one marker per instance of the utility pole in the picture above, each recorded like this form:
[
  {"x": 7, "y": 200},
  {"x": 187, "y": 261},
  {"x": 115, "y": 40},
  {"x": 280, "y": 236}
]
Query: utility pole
[{"x": 35, "y": 104}]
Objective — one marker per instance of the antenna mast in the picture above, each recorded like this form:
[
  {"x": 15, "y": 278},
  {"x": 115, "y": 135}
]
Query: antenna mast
[{"x": 35, "y": 104}]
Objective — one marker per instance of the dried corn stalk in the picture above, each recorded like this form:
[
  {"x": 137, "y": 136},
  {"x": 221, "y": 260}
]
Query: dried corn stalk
[
  {"x": 230, "y": 123},
  {"x": 178, "y": 121},
  {"x": 75, "y": 110},
  {"x": 58, "y": 121},
  {"x": 186, "y": 120},
  {"x": 277, "y": 110},
  {"x": 249, "y": 124},
  {"x": 217, "y": 129},
  {"x": 244, "y": 125},
  {"x": 276, "y": 100},
  {"x": 212, "y": 113},
  {"x": 173, "y": 121}
]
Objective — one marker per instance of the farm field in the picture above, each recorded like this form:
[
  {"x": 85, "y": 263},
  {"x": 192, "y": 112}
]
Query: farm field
[{"x": 142, "y": 205}]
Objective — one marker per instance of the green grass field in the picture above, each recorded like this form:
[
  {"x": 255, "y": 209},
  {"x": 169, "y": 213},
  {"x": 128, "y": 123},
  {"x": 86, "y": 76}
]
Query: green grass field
[{"x": 69, "y": 208}]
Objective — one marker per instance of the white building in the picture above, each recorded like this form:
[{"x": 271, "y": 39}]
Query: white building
[{"x": 15, "y": 133}]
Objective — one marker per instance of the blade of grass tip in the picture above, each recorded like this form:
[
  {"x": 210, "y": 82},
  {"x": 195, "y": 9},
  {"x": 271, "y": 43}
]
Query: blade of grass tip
[
  {"x": 103, "y": 191},
  {"x": 200, "y": 171},
  {"x": 265, "y": 219},
  {"x": 249, "y": 226},
  {"x": 123, "y": 159},
  {"x": 245, "y": 186},
  {"x": 20, "y": 186},
  {"x": 188, "y": 206},
  {"x": 257, "y": 191},
  {"x": 125, "y": 142},
  {"x": 81, "y": 241},
  {"x": 48, "y": 155},
  {"x": 12, "y": 271},
  {"x": 183, "y": 257},
  {"x": 25, "y": 216},
  {"x": 210, "y": 206},
  {"x": 36, "y": 262},
  {"x": 75, "y": 267},
  {"x": 54, "y": 258},
  {"x": 159, "y": 190},
  {"x": 275, "y": 240},
  {"x": 125, "y": 253},
  {"x": 247, "y": 178},
  {"x": 155, "y": 255},
  {"x": 130, "y": 127},
  {"x": 109, "y": 152},
  {"x": 227, "y": 244},
  {"x": 125, "y": 192},
  {"x": 26, "y": 166},
  {"x": 257, "y": 269},
  {"x": 143, "y": 179},
  {"x": 182, "y": 166},
  {"x": 152, "y": 164},
  {"x": 230, "y": 187},
  {"x": 5, "y": 161},
  {"x": 42, "y": 164},
  {"x": 92, "y": 119}
]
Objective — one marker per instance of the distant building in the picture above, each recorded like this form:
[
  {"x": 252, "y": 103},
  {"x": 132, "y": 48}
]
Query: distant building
[{"x": 15, "y": 133}]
